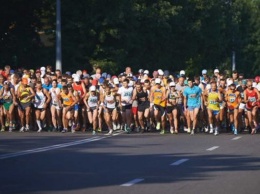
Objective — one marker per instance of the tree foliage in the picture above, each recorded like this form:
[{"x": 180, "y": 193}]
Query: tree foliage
[{"x": 148, "y": 34}]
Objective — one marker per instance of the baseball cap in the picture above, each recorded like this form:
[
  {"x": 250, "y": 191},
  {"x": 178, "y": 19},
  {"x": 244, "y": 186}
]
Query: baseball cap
[
  {"x": 204, "y": 71},
  {"x": 146, "y": 72},
  {"x": 172, "y": 84},
  {"x": 160, "y": 72},
  {"x": 140, "y": 71},
  {"x": 182, "y": 72},
  {"x": 76, "y": 78},
  {"x": 92, "y": 88},
  {"x": 157, "y": 81},
  {"x": 43, "y": 69},
  {"x": 229, "y": 82},
  {"x": 216, "y": 71},
  {"x": 116, "y": 80}
]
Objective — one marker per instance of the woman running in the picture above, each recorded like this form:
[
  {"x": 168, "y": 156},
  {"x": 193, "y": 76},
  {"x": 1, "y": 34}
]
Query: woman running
[{"x": 41, "y": 101}]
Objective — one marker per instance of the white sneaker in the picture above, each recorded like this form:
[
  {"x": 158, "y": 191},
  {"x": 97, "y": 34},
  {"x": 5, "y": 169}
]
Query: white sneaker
[
  {"x": 188, "y": 130},
  {"x": 185, "y": 129},
  {"x": 158, "y": 126},
  {"x": 110, "y": 132},
  {"x": 114, "y": 127},
  {"x": 171, "y": 130},
  {"x": 118, "y": 126},
  {"x": 211, "y": 130},
  {"x": 22, "y": 129},
  {"x": 40, "y": 130},
  {"x": 192, "y": 132},
  {"x": 73, "y": 131},
  {"x": 206, "y": 129},
  {"x": 216, "y": 132}
]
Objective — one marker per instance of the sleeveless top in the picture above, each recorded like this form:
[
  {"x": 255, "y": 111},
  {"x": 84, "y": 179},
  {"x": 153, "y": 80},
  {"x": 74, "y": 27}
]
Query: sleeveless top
[
  {"x": 54, "y": 96},
  {"x": 24, "y": 92},
  {"x": 92, "y": 101},
  {"x": 232, "y": 99},
  {"x": 172, "y": 98},
  {"x": 7, "y": 97},
  {"x": 39, "y": 99},
  {"x": 252, "y": 98},
  {"x": 140, "y": 95},
  {"x": 110, "y": 101},
  {"x": 213, "y": 103},
  {"x": 157, "y": 96},
  {"x": 67, "y": 99}
]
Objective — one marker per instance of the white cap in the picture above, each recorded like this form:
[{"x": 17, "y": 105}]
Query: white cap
[
  {"x": 172, "y": 84},
  {"x": 43, "y": 69},
  {"x": 182, "y": 72},
  {"x": 79, "y": 72},
  {"x": 229, "y": 82},
  {"x": 216, "y": 71},
  {"x": 146, "y": 72},
  {"x": 116, "y": 80},
  {"x": 204, "y": 71},
  {"x": 76, "y": 78},
  {"x": 131, "y": 83},
  {"x": 254, "y": 84},
  {"x": 160, "y": 72},
  {"x": 157, "y": 81},
  {"x": 92, "y": 88}
]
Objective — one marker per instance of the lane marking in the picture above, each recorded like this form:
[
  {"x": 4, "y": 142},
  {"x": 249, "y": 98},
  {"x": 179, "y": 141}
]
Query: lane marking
[
  {"x": 132, "y": 182},
  {"x": 236, "y": 138},
  {"x": 48, "y": 148},
  {"x": 178, "y": 162},
  {"x": 213, "y": 148},
  {"x": 118, "y": 133}
]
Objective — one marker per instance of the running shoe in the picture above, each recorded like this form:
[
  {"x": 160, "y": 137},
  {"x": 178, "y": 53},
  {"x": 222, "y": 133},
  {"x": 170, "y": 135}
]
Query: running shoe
[
  {"x": 162, "y": 132},
  {"x": 73, "y": 130},
  {"x": 64, "y": 130},
  {"x": 128, "y": 130},
  {"x": 158, "y": 126},
  {"x": 93, "y": 132},
  {"x": 188, "y": 130},
  {"x": 235, "y": 131},
  {"x": 22, "y": 129},
  {"x": 211, "y": 130},
  {"x": 99, "y": 130},
  {"x": 110, "y": 132},
  {"x": 171, "y": 130},
  {"x": 40, "y": 130},
  {"x": 10, "y": 129},
  {"x": 192, "y": 132},
  {"x": 253, "y": 131}
]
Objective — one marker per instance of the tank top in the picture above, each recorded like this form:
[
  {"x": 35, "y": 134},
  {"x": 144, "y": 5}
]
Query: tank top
[
  {"x": 141, "y": 95},
  {"x": 232, "y": 99},
  {"x": 39, "y": 99},
  {"x": 213, "y": 103},
  {"x": 92, "y": 101},
  {"x": 7, "y": 97},
  {"x": 78, "y": 88},
  {"x": 67, "y": 99},
  {"x": 158, "y": 94},
  {"x": 54, "y": 96},
  {"x": 172, "y": 98},
  {"x": 24, "y": 92},
  {"x": 252, "y": 97},
  {"x": 110, "y": 101}
]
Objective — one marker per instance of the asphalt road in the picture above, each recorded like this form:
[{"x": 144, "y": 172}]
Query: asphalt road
[{"x": 131, "y": 164}]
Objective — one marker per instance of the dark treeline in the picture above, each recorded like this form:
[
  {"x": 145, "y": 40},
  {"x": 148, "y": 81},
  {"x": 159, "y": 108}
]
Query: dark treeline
[{"x": 148, "y": 34}]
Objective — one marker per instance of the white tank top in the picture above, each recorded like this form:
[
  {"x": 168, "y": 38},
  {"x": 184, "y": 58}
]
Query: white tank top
[
  {"x": 92, "y": 101},
  {"x": 40, "y": 99},
  {"x": 7, "y": 96},
  {"x": 110, "y": 101},
  {"x": 126, "y": 95},
  {"x": 54, "y": 95}
]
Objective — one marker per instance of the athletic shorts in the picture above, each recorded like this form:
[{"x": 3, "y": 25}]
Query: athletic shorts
[
  {"x": 76, "y": 107},
  {"x": 134, "y": 110},
  {"x": 40, "y": 109},
  {"x": 159, "y": 108},
  {"x": 169, "y": 109},
  {"x": 109, "y": 110},
  {"x": 7, "y": 105},
  {"x": 192, "y": 108},
  {"x": 242, "y": 106},
  {"x": 127, "y": 107},
  {"x": 23, "y": 106},
  {"x": 143, "y": 106},
  {"x": 215, "y": 112}
]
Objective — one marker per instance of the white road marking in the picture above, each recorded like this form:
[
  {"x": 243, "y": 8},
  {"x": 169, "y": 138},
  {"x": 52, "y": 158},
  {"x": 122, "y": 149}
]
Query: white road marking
[
  {"x": 53, "y": 147},
  {"x": 178, "y": 162},
  {"x": 236, "y": 138},
  {"x": 118, "y": 133},
  {"x": 213, "y": 148},
  {"x": 132, "y": 182}
]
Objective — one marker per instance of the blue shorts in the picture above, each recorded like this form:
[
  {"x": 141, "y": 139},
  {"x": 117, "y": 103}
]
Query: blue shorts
[
  {"x": 191, "y": 108},
  {"x": 76, "y": 107}
]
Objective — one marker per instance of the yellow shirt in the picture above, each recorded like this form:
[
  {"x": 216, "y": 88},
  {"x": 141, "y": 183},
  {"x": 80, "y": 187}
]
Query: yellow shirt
[
  {"x": 213, "y": 103},
  {"x": 158, "y": 95}
]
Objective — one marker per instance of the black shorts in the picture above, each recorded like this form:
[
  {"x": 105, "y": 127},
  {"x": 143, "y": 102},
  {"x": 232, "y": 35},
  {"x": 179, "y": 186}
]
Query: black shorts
[
  {"x": 40, "y": 109},
  {"x": 169, "y": 109},
  {"x": 159, "y": 108},
  {"x": 127, "y": 107},
  {"x": 143, "y": 106},
  {"x": 91, "y": 109},
  {"x": 23, "y": 106}
]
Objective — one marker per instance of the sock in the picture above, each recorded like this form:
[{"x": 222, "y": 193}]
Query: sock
[
  {"x": 39, "y": 124},
  {"x": 211, "y": 126}
]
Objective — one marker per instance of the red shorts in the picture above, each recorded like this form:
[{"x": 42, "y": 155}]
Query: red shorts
[{"x": 134, "y": 110}]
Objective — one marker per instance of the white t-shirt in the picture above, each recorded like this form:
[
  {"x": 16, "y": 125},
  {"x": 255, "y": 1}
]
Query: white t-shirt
[{"x": 126, "y": 95}]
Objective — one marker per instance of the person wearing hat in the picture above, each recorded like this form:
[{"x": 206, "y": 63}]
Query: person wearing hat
[
  {"x": 158, "y": 99},
  {"x": 92, "y": 103},
  {"x": 171, "y": 107},
  {"x": 233, "y": 100},
  {"x": 8, "y": 98},
  {"x": 25, "y": 94}
]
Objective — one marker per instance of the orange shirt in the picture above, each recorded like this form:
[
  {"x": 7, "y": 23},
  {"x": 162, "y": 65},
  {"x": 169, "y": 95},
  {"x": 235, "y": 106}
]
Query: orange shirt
[
  {"x": 233, "y": 99},
  {"x": 67, "y": 99}
]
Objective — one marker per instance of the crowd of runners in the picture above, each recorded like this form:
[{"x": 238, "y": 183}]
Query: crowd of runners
[{"x": 47, "y": 100}]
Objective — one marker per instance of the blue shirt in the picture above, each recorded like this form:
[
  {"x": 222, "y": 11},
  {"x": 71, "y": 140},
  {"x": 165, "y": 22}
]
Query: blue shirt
[
  {"x": 47, "y": 87},
  {"x": 193, "y": 95}
]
